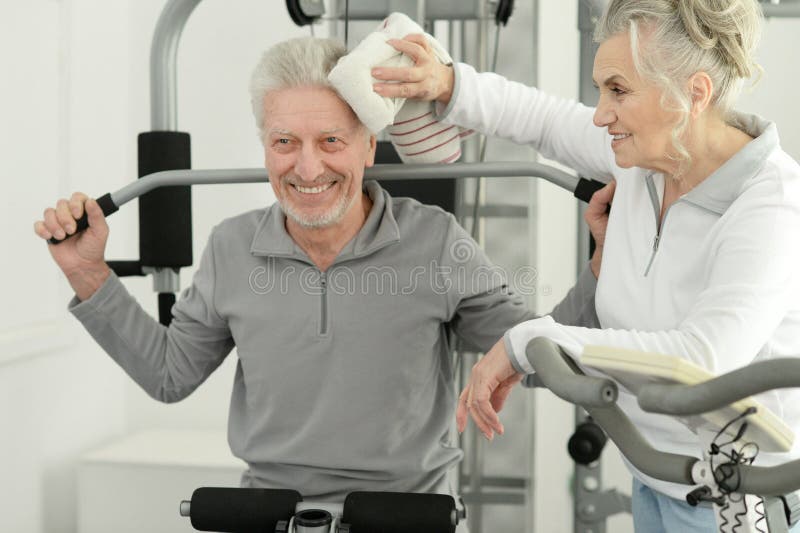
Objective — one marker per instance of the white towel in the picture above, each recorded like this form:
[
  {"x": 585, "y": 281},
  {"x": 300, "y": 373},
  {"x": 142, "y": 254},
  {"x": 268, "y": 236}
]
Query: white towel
[{"x": 412, "y": 126}]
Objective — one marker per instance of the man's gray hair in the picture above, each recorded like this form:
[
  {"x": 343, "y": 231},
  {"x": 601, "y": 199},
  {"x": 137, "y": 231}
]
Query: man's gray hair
[{"x": 300, "y": 62}]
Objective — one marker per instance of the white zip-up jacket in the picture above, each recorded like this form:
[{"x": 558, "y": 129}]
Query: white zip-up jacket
[{"x": 716, "y": 282}]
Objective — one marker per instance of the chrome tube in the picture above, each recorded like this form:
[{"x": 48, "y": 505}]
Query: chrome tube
[{"x": 163, "y": 60}]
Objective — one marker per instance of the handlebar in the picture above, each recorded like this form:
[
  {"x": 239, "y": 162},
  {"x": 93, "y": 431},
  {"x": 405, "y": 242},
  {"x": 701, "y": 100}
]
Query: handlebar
[
  {"x": 583, "y": 189},
  {"x": 684, "y": 400},
  {"x": 557, "y": 371}
]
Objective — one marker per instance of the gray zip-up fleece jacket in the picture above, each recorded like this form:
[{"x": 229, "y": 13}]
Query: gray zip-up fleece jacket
[{"x": 344, "y": 378}]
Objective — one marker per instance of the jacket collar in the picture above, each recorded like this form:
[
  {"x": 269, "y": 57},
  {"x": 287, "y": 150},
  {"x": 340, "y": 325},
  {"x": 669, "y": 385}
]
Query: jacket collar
[
  {"x": 380, "y": 229},
  {"x": 718, "y": 191}
]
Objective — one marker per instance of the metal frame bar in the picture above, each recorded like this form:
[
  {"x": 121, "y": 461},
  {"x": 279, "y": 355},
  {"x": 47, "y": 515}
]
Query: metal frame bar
[
  {"x": 380, "y": 172},
  {"x": 590, "y": 505},
  {"x": 547, "y": 359},
  {"x": 163, "y": 60},
  {"x": 430, "y": 10},
  {"x": 782, "y": 10}
]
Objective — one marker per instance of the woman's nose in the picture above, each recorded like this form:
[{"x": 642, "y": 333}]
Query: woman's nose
[{"x": 604, "y": 114}]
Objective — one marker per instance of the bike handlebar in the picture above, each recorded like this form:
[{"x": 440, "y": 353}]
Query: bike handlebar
[{"x": 558, "y": 372}]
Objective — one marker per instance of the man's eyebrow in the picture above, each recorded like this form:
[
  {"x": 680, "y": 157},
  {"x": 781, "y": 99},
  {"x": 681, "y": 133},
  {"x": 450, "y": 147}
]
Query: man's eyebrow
[
  {"x": 279, "y": 131},
  {"x": 609, "y": 81}
]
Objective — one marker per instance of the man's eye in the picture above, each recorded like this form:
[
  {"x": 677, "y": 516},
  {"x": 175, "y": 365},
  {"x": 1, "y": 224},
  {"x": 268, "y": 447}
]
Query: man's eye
[
  {"x": 283, "y": 141},
  {"x": 331, "y": 139}
]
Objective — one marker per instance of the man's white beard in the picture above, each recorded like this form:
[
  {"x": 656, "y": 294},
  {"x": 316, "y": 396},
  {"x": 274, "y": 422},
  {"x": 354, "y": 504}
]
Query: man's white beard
[{"x": 333, "y": 216}]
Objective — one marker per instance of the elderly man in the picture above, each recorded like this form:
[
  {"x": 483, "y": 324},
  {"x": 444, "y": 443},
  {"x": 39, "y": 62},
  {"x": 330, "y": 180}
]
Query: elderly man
[{"x": 339, "y": 299}]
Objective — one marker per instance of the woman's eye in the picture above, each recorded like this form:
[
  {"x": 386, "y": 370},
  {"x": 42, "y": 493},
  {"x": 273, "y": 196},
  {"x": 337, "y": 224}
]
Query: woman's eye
[{"x": 617, "y": 90}]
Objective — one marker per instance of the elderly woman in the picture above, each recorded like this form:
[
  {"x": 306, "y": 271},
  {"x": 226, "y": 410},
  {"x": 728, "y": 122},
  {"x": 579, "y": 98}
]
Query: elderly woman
[{"x": 701, "y": 257}]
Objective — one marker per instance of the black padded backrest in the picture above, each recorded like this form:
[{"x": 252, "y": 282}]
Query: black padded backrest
[{"x": 440, "y": 191}]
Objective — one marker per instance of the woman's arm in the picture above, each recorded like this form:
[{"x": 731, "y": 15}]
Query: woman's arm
[{"x": 560, "y": 129}]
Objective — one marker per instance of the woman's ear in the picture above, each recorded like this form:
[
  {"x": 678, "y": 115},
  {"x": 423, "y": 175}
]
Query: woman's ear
[{"x": 701, "y": 89}]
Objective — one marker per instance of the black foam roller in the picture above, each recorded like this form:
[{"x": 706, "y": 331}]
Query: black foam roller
[
  {"x": 165, "y": 302},
  {"x": 165, "y": 214},
  {"x": 241, "y": 510},
  {"x": 439, "y": 191},
  {"x": 587, "y": 443},
  {"x": 399, "y": 512},
  {"x": 586, "y": 188}
]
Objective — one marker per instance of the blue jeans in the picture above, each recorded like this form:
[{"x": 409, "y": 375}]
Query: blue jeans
[{"x": 654, "y": 512}]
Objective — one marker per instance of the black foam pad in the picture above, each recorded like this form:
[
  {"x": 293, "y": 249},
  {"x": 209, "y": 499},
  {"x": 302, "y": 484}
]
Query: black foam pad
[
  {"x": 586, "y": 188},
  {"x": 165, "y": 302},
  {"x": 399, "y": 512},
  {"x": 439, "y": 191},
  {"x": 165, "y": 214},
  {"x": 241, "y": 510},
  {"x": 587, "y": 443}
]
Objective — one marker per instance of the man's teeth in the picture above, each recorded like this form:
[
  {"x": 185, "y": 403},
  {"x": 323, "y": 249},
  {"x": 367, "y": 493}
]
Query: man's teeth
[
  {"x": 620, "y": 136},
  {"x": 314, "y": 190}
]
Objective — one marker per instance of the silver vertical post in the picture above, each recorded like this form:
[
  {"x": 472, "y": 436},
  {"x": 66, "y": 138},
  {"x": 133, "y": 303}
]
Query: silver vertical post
[
  {"x": 530, "y": 405},
  {"x": 421, "y": 13},
  {"x": 163, "y": 59},
  {"x": 588, "y": 12},
  {"x": 585, "y": 475}
]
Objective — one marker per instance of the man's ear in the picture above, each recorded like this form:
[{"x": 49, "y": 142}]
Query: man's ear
[
  {"x": 370, "y": 158},
  {"x": 701, "y": 89}
]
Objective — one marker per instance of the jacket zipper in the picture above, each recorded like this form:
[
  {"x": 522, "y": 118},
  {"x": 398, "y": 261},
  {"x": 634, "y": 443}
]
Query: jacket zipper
[
  {"x": 323, "y": 284},
  {"x": 659, "y": 221},
  {"x": 655, "y": 249}
]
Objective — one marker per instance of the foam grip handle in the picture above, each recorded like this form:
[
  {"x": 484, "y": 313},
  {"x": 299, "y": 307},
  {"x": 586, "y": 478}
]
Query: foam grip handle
[
  {"x": 399, "y": 512},
  {"x": 241, "y": 510},
  {"x": 586, "y": 188},
  {"x": 106, "y": 204}
]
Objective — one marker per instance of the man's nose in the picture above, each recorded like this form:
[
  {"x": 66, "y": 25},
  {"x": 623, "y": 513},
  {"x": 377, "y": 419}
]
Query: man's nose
[
  {"x": 308, "y": 165},
  {"x": 604, "y": 114}
]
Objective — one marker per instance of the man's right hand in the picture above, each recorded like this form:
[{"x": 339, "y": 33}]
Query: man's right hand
[{"x": 81, "y": 257}]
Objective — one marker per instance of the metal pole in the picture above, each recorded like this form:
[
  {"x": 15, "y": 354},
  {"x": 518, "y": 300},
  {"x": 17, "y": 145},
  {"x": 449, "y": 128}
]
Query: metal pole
[
  {"x": 782, "y": 10},
  {"x": 587, "y": 480},
  {"x": 530, "y": 405},
  {"x": 163, "y": 59}
]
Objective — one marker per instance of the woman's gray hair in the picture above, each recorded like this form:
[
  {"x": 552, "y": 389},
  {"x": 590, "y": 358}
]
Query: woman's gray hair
[
  {"x": 300, "y": 62},
  {"x": 682, "y": 37}
]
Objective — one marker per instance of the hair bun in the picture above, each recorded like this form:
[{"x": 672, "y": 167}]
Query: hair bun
[{"x": 731, "y": 27}]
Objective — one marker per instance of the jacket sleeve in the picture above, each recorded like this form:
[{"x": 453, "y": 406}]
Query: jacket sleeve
[
  {"x": 168, "y": 363},
  {"x": 481, "y": 303},
  {"x": 485, "y": 303},
  {"x": 577, "y": 308},
  {"x": 752, "y": 285},
  {"x": 558, "y": 128}
]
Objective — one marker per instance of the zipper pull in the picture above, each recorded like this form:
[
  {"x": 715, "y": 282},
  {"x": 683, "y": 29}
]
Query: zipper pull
[{"x": 655, "y": 242}]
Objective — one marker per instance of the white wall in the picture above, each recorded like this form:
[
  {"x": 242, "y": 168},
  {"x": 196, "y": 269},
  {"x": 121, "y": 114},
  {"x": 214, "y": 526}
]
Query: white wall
[
  {"x": 74, "y": 96},
  {"x": 59, "y": 395}
]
